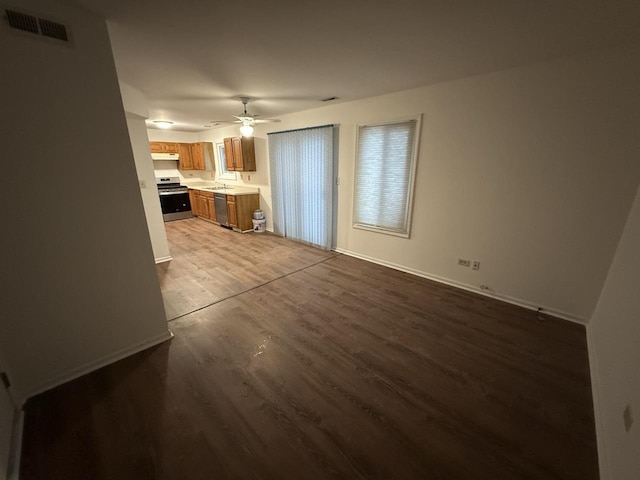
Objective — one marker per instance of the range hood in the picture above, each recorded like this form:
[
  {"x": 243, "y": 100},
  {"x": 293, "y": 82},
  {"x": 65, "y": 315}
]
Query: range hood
[{"x": 165, "y": 156}]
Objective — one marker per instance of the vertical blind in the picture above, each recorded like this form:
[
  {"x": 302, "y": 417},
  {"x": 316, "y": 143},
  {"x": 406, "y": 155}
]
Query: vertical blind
[
  {"x": 301, "y": 163},
  {"x": 384, "y": 171}
]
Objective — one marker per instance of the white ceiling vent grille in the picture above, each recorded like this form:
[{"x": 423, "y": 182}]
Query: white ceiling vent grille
[{"x": 37, "y": 26}]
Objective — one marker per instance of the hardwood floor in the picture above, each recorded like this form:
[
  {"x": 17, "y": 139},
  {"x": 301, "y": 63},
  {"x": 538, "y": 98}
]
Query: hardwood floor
[
  {"x": 344, "y": 369},
  {"x": 211, "y": 263}
]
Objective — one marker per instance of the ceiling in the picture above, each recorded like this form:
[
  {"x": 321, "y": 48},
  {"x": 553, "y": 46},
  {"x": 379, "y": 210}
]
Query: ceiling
[{"x": 194, "y": 58}]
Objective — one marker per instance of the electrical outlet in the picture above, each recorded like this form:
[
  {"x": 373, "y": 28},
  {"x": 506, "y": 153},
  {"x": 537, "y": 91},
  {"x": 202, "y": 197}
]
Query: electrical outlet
[
  {"x": 190, "y": 174},
  {"x": 627, "y": 415},
  {"x": 248, "y": 177},
  {"x": 142, "y": 184},
  {"x": 475, "y": 266},
  {"x": 464, "y": 263}
]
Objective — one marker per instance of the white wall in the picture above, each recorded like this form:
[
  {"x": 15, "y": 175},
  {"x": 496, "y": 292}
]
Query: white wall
[
  {"x": 78, "y": 279},
  {"x": 135, "y": 106},
  {"x": 148, "y": 191},
  {"x": 530, "y": 171},
  {"x": 614, "y": 348}
]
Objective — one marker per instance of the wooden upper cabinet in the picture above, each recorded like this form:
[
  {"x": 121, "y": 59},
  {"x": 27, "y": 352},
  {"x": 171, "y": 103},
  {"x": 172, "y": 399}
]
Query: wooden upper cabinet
[
  {"x": 228, "y": 154},
  {"x": 240, "y": 154},
  {"x": 192, "y": 155},
  {"x": 156, "y": 147},
  {"x": 185, "y": 161},
  {"x": 197, "y": 156},
  {"x": 163, "y": 147}
]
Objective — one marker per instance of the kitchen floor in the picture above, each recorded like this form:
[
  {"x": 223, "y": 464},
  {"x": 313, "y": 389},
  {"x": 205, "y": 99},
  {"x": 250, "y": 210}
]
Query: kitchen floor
[
  {"x": 337, "y": 368},
  {"x": 211, "y": 263}
]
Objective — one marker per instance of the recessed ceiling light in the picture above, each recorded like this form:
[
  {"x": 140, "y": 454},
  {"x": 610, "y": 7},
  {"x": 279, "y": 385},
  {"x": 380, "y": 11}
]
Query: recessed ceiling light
[{"x": 163, "y": 123}]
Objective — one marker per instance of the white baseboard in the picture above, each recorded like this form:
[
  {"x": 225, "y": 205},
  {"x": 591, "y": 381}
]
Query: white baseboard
[
  {"x": 468, "y": 287},
  {"x": 108, "y": 359},
  {"x": 164, "y": 259}
]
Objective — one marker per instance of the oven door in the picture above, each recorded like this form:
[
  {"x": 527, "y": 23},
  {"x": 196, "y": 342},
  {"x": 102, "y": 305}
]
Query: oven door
[{"x": 175, "y": 205}]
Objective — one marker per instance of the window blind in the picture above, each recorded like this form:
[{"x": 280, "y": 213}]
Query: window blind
[
  {"x": 301, "y": 164},
  {"x": 384, "y": 176}
]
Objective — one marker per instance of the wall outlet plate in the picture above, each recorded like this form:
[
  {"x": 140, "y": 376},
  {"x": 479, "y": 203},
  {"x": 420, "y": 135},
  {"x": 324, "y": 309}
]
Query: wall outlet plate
[
  {"x": 475, "y": 266},
  {"x": 464, "y": 263}
]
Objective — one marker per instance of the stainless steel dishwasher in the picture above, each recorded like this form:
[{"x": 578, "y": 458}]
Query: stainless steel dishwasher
[{"x": 220, "y": 202}]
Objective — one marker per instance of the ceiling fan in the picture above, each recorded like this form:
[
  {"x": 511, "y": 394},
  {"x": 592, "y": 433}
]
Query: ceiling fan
[{"x": 247, "y": 120}]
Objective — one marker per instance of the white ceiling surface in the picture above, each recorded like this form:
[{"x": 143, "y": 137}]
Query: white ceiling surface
[{"x": 194, "y": 58}]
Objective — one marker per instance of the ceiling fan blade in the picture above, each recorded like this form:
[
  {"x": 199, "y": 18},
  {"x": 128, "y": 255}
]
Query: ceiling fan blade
[
  {"x": 224, "y": 122},
  {"x": 267, "y": 120}
]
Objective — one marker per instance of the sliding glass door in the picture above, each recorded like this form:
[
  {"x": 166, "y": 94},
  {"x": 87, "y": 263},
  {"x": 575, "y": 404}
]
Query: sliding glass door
[{"x": 301, "y": 163}]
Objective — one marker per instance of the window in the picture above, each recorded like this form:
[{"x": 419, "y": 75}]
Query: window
[
  {"x": 223, "y": 174},
  {"x": 385, "y": 169}
]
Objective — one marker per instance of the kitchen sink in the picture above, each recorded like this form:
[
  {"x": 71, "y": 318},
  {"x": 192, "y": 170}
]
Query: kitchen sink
[{"x": 212, "y": 188}]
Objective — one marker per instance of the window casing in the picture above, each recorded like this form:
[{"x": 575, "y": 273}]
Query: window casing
[{"x": 386, "y": 159}]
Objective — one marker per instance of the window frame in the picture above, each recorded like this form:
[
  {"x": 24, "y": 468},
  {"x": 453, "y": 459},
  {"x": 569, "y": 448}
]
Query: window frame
[
  {"x": 223, "y": 173},
  {"x": 406, "y": 233}
]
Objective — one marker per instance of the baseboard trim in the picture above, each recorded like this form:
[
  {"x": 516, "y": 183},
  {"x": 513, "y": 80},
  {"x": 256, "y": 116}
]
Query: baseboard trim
[
  {"x": 89, "y": 367},
  {"x": 471, "y": 288},
  {"x": 164, "y": 259}
]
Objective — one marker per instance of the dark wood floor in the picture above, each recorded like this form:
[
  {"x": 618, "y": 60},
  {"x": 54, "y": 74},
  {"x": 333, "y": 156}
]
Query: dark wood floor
[{"x": 344, "y": 369}]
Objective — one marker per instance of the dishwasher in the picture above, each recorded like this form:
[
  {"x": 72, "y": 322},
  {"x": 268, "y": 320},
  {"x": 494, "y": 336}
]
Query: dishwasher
[{"x": 220, "y": 202}]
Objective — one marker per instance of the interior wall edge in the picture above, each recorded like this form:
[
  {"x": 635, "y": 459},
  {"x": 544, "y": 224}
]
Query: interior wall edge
[
  {"x": 163, "y": 259},
  {"x": 603, "y": 460},
  {"x": 453, "y": 283},
  {"x": 76, "y": 372},
  {"x": 13, "y": 470}
]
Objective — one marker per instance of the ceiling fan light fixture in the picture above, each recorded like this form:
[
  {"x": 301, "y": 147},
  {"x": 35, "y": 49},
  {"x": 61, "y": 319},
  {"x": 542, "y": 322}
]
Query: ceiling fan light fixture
[
  {"x": 246, "y": 130},
  {"x": 163, "y": 123}
]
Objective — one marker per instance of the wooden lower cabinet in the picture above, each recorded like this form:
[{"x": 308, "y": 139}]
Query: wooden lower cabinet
[
  {"x": 232, "y": 215},
  {"x": 240, "y": 208},
  {"x": 212, "y": 208},
  {"x": 202, "y": 204}
]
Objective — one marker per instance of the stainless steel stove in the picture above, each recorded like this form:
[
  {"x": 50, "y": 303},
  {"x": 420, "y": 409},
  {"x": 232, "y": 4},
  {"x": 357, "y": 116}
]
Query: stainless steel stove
[{"x": 174, "y": 199}]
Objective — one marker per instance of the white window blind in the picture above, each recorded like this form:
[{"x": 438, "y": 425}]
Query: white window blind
[
  {"x": 301, "y": 163},
  {"x": 385, "y": 165}
]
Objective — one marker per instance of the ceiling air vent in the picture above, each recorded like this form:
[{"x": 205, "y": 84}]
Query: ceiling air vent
[{"x": 38, "y": 26}]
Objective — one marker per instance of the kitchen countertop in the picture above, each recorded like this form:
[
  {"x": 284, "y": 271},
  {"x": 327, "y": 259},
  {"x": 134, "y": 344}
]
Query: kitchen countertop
[{"x": 225, "y": 191}]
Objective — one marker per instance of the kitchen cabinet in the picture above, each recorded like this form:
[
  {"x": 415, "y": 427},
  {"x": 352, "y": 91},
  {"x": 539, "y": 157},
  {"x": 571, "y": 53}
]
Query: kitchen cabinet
[
  {"x": 240, "y": 210},
  {"x": 192, "y": 156},
  {"x": 240, "y": 154},
  {"x": 232, "y": 214},
  {"x": 197, "y": 154},
  {"x": 211, "y": 208},
  {"x": 185, "y": 161},
  {"x": 163, "y": 147},
  {"x": 202, "y": 204}
]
